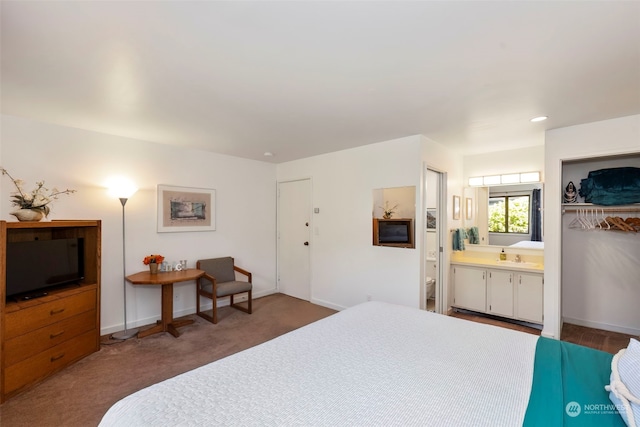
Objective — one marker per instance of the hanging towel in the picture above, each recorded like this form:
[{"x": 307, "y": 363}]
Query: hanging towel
[
  {"x": 458, "y": 239},
  {"x": 474, "y": 235}
]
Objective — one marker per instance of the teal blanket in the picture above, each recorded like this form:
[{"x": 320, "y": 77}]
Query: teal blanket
[{"x": 568, "y": 387}]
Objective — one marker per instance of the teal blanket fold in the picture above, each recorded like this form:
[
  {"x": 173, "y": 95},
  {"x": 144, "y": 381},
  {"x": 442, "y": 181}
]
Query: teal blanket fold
[{"x": 568, "y": 387}]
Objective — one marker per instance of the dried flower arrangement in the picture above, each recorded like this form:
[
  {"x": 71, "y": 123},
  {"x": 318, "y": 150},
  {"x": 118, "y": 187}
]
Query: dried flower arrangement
[
  {"x": 37, "y": 199},
  {"x": 387, "y": 211}
]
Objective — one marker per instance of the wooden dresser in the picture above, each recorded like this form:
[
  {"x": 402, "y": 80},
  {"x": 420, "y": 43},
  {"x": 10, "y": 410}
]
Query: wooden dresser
[{"x": 41, "y": 336}]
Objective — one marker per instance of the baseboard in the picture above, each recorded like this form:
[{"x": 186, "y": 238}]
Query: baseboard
[
  {"x": 327, "y": 304},
  {"x": 184, "y": 312},
  {"x": 603, "y": 326}
]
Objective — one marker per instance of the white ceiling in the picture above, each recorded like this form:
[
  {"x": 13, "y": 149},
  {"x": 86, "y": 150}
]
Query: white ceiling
[{"x": 305, "y": 78}]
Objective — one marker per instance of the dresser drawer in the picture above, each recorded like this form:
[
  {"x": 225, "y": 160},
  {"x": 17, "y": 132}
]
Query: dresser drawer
[
  {"x": 28, "y": 319},
  {"x": 32, "y": 343},
  {"x": 47, "y": 362}
]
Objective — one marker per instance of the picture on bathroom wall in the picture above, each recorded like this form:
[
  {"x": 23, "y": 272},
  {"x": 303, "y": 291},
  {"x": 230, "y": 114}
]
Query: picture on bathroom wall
[
  {"x": 456, "y": 207},
  {"x": 431, "y": 219},
  {"x": 469, "y": 208}
]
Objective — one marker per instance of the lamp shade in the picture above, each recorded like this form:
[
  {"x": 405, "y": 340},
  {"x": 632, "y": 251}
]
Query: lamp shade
[{"x": 121, "y": 187}]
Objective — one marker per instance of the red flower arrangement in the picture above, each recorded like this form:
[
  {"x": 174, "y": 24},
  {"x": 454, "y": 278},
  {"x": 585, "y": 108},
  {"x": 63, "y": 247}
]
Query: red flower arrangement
[{"x": 153, "y": 259}]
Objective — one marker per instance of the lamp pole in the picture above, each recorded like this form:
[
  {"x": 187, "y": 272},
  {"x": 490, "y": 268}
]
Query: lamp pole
[{"x": 127, "y": 333}]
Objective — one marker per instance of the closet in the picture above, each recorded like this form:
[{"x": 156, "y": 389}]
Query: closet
[{"x": 600, "y": 253}]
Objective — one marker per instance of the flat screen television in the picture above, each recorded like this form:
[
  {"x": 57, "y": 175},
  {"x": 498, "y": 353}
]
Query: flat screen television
[
  {"x": 36, "y": 266},
  {"x": 394, "y": 232}
]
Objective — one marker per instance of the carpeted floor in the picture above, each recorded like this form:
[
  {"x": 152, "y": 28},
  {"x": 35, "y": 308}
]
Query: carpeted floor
[{"x": 82, "y": 393}]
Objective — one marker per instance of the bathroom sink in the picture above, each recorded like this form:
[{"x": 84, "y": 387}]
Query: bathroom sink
[{"x": 514, "y": 263}]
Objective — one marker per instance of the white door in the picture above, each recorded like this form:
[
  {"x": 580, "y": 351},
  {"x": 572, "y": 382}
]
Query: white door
[
  {"x": 436, "y": 202},
  {"x": 294, "y": 225}
]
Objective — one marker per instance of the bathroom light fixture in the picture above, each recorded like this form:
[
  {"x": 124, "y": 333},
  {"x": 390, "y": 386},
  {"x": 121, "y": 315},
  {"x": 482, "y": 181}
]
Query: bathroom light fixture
[
  {"x": 268, "y": 154},
  {"x": 539, "y": 119},
  {"x": 510, "y": 178}
]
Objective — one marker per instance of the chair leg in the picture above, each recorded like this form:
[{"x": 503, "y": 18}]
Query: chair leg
[
  {"x": 201, "y": 313},
  {"x": 237, "y": 306},
  {"x": 215, "y": 310}
]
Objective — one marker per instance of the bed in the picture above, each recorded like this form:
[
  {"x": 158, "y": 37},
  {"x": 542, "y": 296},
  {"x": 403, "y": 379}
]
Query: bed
[
  {"x": 375, "y": 364},
  {"x": 527, "y": 244}
]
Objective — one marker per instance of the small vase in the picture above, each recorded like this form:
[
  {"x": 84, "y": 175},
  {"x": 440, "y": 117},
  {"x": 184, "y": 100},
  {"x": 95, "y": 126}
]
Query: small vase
[
  {"x": 153, "y": 268},
  {"x": 28, "y": 214}
]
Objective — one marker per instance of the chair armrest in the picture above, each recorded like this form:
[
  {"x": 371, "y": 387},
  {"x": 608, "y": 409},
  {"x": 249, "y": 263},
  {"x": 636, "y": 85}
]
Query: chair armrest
[
  {"x": 243, "y": 271},
  {"x": 209, "y": 278}
]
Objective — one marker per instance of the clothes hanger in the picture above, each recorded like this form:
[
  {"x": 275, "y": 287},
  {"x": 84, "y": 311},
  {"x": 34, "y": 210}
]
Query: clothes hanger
[{"x": 575, "y": 223}]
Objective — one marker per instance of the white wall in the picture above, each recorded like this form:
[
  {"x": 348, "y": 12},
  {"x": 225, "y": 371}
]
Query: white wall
[
  {"x": 528, "y": 159},
  {"x": 605, "y": 138},
  {"x": 82, "y": 160},
  {"x": 345, "y": 266}
]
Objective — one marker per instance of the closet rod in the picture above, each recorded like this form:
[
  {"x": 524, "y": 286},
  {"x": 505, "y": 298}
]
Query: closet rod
[{"x": 602, "y": 208}]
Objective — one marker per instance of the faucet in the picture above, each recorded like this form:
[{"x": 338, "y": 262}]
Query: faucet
[{"x": 518, "y": 259}]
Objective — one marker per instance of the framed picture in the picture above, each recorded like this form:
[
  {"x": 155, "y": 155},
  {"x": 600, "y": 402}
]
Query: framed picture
[
  {"x": 431, "y": 219},
  {"x": 186, "y": 209},
  {"x": 456, "y": 207},
  {"x": 468, "y": 213}
]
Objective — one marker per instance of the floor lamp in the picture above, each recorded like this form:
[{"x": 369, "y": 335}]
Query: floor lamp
[{"x": 124, "y": 189}]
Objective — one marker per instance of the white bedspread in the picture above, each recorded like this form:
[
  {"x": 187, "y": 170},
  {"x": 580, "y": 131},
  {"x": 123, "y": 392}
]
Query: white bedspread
[
  {"x": 526, "y": 244},
  {"x": 375, "y": 364}
]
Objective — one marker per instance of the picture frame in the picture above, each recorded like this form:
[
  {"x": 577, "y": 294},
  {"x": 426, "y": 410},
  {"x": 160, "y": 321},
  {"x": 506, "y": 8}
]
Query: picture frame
[
  {"x": 431, "y": 219},
  {"x": 456, "y": 207},
  {"x": 186, "y": 209},
  {"x": 468, "y": 208}
]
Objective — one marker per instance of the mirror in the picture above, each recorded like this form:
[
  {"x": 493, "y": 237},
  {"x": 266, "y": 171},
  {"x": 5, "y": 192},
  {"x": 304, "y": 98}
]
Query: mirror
[
  {"x": 477, "y": 208},
  {"x": 394, "y": 217}
]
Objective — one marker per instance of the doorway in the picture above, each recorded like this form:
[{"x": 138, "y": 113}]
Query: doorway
[
  {"x": 433, "y": 290},
  {"x": 293, "y": 238}
]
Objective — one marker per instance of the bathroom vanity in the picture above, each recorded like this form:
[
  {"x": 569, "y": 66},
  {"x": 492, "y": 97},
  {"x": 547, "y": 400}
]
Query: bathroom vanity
[{"x": 511, "y": 289}]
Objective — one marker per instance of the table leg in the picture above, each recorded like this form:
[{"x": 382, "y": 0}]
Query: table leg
[
  {"x": 166, "y": 324},
  {"x": 167, "y": 306}
]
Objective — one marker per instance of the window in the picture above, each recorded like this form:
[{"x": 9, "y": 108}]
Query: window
[{"x": 509, "y": 214}]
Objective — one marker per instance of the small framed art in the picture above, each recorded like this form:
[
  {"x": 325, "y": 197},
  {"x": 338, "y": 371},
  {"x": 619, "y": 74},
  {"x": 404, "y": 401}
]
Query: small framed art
[
  {"x": 456, "y": 207},
  {"x": 186, "y": 209}
]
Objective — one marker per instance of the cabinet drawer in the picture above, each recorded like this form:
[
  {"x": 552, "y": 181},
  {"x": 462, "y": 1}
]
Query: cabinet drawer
[
  {"x": 32, "y": 343},
  {"x": 49, "y": 361},
  {"x": 29, "y": 319}
]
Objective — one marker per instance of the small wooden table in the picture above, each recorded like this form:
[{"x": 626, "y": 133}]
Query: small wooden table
[{"x": 166, "y": 279}]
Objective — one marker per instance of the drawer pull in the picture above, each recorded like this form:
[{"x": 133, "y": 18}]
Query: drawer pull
[
  {"x": 52, "y": 312},
  {"x": 52, "y": 336},
  {"x": 58, "y": 357}
]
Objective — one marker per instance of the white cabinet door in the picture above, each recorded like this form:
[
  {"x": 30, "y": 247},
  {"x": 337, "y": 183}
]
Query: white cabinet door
[
  {"x": 529, "y": 297},
  {"x": 500, "y": 293},
  {"x": 470, "y": 289}
]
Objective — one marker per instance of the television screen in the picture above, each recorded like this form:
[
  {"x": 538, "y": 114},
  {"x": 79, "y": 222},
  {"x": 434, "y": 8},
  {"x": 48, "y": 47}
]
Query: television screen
[
  {"x": 35, "y": 265},
  {"x": 393, "y": 232}
]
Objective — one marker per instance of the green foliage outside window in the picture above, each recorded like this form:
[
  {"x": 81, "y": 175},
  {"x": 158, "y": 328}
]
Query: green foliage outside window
[{"x": 509, "y": 214}]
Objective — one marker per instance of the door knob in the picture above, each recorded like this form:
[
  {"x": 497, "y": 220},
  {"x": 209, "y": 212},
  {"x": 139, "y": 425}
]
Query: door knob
[{"x": 306, "y": 243}]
